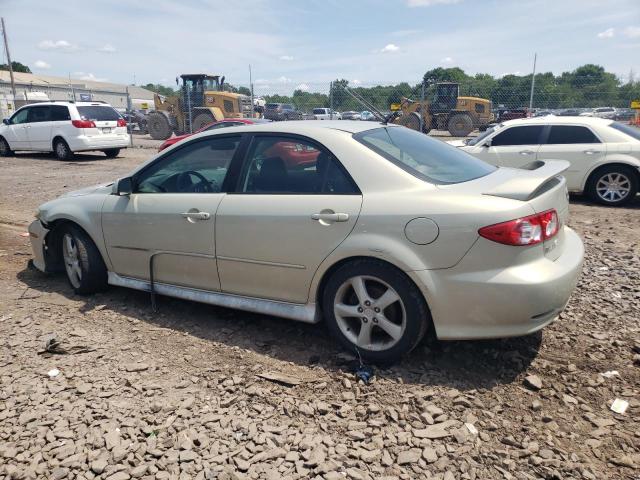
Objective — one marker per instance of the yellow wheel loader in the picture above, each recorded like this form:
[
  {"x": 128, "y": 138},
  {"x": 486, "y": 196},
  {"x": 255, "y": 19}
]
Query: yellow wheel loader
[
  {"x": 448, "y": 111},
  {"x": 201, "y": 100}
]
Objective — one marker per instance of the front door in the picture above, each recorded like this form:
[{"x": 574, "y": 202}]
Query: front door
[
  {"x": 512, "y": 147},
  {"x": 17, "y": 133},
  {"x": 293, "y": 205},
  {"x": 168, "y": 222},
  {"x": 579, "y": 146}
]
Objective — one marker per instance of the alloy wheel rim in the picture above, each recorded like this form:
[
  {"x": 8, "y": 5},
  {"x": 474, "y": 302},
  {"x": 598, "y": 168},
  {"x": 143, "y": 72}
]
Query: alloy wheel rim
[
  {"x": 613, "y": 187},
  {"x": 61, "y": 150},
  {"x": 370, "y": 313},
  {"x": 71, "y": 260}
]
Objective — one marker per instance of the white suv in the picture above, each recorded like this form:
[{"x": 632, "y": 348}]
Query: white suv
[
  {"x": 604, "y": 155},
  {"x": 64, "y": 128},
  {"x": 326, "y": 114}
]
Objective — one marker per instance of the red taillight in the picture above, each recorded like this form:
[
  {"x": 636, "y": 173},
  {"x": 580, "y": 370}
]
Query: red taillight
[
  {"x": 122, "y": 122},
  {"x": 524, "y": 231},
  {"x": 83, "y": 124}
]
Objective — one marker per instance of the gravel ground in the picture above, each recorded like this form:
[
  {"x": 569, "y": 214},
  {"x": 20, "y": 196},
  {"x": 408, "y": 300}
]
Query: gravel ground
[{"x": 189, "y": 392}]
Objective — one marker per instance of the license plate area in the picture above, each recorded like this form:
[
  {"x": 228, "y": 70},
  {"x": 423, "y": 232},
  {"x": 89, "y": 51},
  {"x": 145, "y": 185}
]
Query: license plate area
[{"x": 106, "y": 130}]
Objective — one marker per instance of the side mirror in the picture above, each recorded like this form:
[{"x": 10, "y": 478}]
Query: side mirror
[
  {"x": 123, "y": 187},
  {"x": 5, "y": 121}
]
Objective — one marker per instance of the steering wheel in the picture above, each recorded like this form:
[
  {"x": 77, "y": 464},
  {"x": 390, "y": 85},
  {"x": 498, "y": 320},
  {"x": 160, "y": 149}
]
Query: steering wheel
[{"x": 185, "y": 184}]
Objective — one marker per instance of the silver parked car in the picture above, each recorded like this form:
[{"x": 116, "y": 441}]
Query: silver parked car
[{"x": 380, "y": 231}]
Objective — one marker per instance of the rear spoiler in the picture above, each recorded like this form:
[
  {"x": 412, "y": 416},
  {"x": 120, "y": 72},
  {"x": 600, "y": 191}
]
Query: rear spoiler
[{"x": 533, "y": 179}]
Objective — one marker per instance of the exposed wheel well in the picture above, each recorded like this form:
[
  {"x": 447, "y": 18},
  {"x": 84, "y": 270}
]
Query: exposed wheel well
[
  {"x": 344, "y": 261},
  {"x": 626, "y": 166},
  {"x": 53, "y": 241}
]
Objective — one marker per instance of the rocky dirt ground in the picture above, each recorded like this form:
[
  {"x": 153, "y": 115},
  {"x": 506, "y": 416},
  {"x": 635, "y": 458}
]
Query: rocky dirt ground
[{"x": 182, "y": 394}]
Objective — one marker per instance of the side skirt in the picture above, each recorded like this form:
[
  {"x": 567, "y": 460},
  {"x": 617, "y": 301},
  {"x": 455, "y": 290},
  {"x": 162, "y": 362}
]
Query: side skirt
[{"x": 301, "y": 312}]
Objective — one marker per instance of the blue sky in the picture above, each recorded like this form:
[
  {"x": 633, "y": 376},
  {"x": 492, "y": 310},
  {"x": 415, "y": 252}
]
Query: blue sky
[{"x": 291, "y": 43}]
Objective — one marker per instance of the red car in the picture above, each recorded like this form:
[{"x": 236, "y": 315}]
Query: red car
[{"x": 227, "y": 122}]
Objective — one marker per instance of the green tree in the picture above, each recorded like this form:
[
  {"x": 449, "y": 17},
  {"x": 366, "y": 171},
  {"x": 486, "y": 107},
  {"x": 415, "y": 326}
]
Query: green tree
[
  {"x": 160, "y": 89},
  {"x": 16, "y": 66}
]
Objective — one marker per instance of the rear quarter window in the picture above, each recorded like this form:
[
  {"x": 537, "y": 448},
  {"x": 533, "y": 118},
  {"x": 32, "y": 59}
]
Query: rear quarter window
[
  {"x": 430, "y": 160},
  {"x": 98, "y": 112}
]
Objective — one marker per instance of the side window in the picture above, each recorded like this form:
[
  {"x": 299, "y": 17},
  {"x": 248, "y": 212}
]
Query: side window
[
  {"x": 525, "y": 135},
  {"x": 20, "y": 116},
  {"x": 199, "y": 167},
  {"x": 479, "y": 108},
  {"x": 39, "y": 114},
  {"x": 568, "y": 134},
  {"x": 59, "y": 113},
  {"x": 291, "y": 165},
  {"x": 228, "y": 105}
]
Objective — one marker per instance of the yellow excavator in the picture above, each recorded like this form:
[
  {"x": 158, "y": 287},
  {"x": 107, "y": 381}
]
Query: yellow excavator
[
  {"x": 448, "y": 111},
  {"x": 201, "y": 100}
]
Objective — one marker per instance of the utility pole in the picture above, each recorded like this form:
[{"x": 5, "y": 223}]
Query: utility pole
[
  {"x": 251, "y": 88},
  {"x": 6, "y": 49},
  {"x": 533, "y": 82}
]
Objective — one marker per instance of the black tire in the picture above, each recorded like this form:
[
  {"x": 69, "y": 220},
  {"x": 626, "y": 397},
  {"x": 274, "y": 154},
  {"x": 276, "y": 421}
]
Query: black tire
[
  {"x": 460, "y": 125},
  {"x": 61, "y": 150},
  {"x": 5, "y": 149},
  {"x": 112, "y": 152},
  {"x": 410, "y": 120},
  {"x": 158, "y": 126},
  {"x": 417, "y": 317},
  {"x": 625, "y": 177},
  {"x": 201, "y": 120},
  {"x": 93, "y": 272}
]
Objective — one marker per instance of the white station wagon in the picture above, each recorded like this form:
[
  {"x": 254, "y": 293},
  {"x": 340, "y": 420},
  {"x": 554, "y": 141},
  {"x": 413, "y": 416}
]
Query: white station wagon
[
  {"x": 380, "y": 231},
  {"x": 603, "y": 155}
]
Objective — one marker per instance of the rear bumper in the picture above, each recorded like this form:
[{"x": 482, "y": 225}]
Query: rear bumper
[
  {"x": 99, "y": 142},
  {"x": 470, "y": 304},
  {"x": 36, "y": 235}
]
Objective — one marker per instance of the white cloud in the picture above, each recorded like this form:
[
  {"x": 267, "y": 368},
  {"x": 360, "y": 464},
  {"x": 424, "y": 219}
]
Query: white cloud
[
  {"x": 286, "y": 58},
  {"x": 42, "y": 65},
  {"x": 284, "y": 79},
  {"x": 107, "y": 48},
  {"x": 608, "y": 33},
  {"x": 88, "y": 76},
  {"x": 355, "y": 81},
  {"x": 429, "y": 3},
  {"x": 304, "y": 87},
  {"x": 631, "y": 32},
  {"x": 447, "y": 60},
  {"x": 390, "y": 48},
  {"x": 61, "y": 45}
]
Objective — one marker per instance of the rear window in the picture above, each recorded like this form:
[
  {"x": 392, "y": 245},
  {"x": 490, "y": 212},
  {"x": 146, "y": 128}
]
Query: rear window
[
  {"x": 318, "y": 111},
  {"x": 287, "y": 106},
  {"x": 633, "y": 132},
  {"x": 96, "y": 112},
  {"x": 428, "y": 159},
  {"x": 569, "y": 134}
]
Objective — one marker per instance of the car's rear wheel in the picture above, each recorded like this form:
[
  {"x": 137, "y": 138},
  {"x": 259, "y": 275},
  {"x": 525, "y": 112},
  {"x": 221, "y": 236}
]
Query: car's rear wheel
[
  {"x": 112, "y": 152},
  {"x": 613, "y": 185},
  {"x": 83, "y": 263},
  {"x": 375, "y": 310},
  {"x": 5, "y": 149},
  {"x": 61, "y": 150}
]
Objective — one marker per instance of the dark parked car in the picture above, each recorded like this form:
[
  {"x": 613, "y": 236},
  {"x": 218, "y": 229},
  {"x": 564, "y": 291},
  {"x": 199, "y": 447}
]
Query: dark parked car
[
  {"x": 570, "y": 112},
  {"x": 281, "y": 111},
  {"x": 136, "y": 120},
  {"x": 504, "y": 114}
]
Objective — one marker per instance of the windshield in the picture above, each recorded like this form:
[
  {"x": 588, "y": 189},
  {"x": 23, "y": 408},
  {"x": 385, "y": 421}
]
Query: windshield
[
  {"x": 98, "y": 113},
  {"x": 628, "y": 129},
  {"x": 482, "y": 136},
  {"x": 428, "y": 159}
]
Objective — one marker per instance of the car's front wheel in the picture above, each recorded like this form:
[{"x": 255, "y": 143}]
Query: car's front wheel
[
  {"x": 61, "y": 150},
  {"x": 375, "y": 310},
  {"x": 5, "y": 148},
  {"x": 83, "y": 263},
  {"x": 613, "y": 185}
]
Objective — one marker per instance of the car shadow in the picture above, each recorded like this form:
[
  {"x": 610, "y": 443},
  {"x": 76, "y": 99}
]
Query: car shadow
[
  {"x": 78, "y": 158},
  {"x": 582, "y": 199},
  {"x": 463, "y": 365}
]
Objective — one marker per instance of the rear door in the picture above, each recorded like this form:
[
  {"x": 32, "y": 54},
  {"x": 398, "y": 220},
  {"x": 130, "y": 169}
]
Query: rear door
[
  {"x": 39, "y": 120},
  {"x": 107, "y": 120},
  {"x": 577, "y": 144},
  {"x": 284, "y": 218},
  {"x": 513, "y": 146},
  {"x": 17, "y": 133}
]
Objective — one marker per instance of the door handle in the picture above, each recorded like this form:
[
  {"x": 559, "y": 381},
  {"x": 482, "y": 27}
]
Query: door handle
[
  {"x": 527, "y": 152},
  {"x": 330, "y": 217},
  {"x": 591, "y": 152},
  {"x": 196, "y": 215}
]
